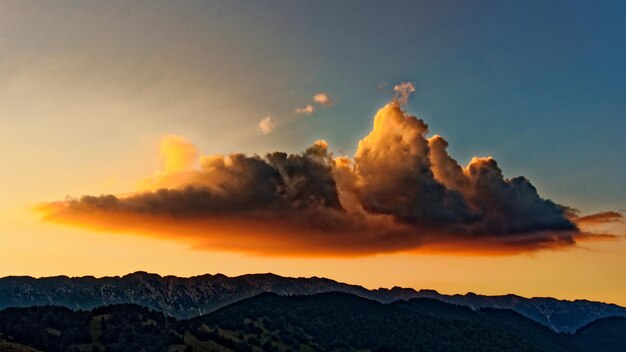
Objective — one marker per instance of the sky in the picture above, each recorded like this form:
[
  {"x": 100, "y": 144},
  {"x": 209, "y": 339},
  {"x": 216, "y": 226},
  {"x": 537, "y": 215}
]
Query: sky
[{"x": 126, "y": 98}]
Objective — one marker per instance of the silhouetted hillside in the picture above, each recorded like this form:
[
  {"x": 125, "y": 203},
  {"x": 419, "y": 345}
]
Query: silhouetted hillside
[
  {"x": 323, "y": 322},
  {"x": 504, "y": 320},
  {"x": 6, "y": 346},
  {"x": 603, "y": 335},
  {"x": 339, "y": 321}
]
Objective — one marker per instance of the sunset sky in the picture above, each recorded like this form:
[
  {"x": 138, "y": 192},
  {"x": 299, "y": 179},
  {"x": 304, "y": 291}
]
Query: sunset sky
[{"x": 308, "y": 138}]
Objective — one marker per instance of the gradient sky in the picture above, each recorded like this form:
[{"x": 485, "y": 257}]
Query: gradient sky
[{"x": 87, "y": 90}]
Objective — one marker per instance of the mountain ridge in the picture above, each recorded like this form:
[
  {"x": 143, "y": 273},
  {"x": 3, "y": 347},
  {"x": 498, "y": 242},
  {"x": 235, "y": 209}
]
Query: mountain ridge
[
  {"x": 186, "y": 297},
  {"x": 379, "y": 289}
]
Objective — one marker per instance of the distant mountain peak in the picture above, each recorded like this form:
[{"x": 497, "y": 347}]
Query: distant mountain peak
[{"x": 428, "y": 291}]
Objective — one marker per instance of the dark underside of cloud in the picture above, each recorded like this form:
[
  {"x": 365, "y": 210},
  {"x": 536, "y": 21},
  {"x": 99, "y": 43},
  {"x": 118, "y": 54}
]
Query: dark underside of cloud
[{"x": 402, "y": 191}]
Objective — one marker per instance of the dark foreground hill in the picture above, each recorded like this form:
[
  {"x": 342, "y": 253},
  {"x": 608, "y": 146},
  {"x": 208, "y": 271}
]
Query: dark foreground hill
[
  {"x": 323, "y": 322},
  {"x": 6, "y": 346},
  {"x": 190, "y": 297},
  {"x": 497, "y": 319},
  {"x": 606, "y": 335}
]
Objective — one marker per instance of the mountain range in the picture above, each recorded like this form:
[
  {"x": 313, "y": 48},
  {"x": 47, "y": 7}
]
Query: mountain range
[
  {"x": 332, "y": 321},
  {"x": 186, "y": 298}
]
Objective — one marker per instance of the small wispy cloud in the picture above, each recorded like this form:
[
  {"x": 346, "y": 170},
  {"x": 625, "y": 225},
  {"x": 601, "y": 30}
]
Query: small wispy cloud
[
  {"x": 266, "y": 125},
  {"x": 308, "y": 109},
  {"x": 402, "y": 92},
  {"x": 322, "y": 99},
  {"x": 319, "y": 99}
]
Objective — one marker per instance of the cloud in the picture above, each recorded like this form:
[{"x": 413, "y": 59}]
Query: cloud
[
  {"x": 319, "y": 99},
  {"x": 600, "y": 218},
  {"x": 322, "y": 99},
  {"x": 308, "y": 109},
  {"x": 402, "y": 92},
  {"x": 402, "y": 191},
  {"x": 266, "y": 125},
  {"x": 177, "y": 154}
]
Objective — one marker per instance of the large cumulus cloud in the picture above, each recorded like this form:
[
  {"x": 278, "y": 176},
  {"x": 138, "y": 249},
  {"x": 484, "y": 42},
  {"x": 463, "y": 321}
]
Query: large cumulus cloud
[{"x": 402, "y": 191}]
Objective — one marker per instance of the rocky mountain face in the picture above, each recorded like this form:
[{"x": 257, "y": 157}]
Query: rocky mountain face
[{"x": 198, "y": 295}]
